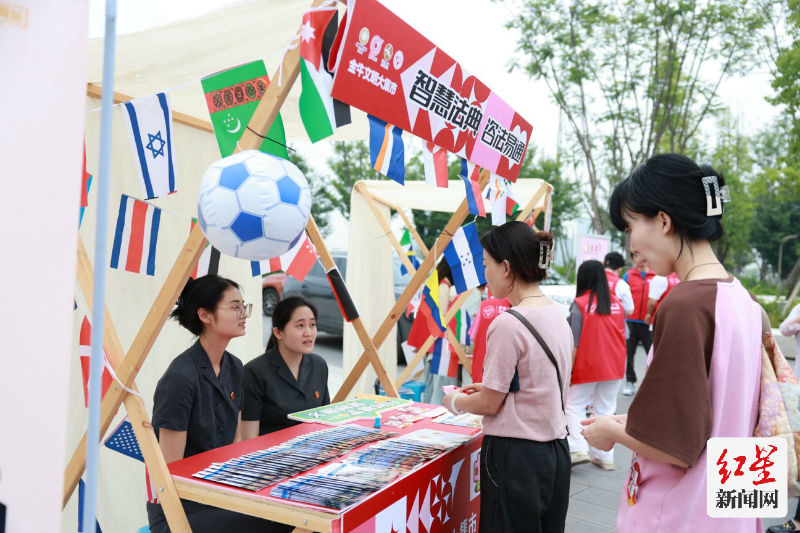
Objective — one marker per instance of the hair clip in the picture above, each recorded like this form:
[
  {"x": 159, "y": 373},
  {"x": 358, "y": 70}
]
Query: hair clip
[
  {"x": 720, "y": 195},
  {"x": 545, "y": 255}
]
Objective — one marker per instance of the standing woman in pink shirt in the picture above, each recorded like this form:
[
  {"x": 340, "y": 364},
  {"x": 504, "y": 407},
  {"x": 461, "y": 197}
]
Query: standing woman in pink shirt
[
  {"x": 525, "y": 462},
  {"x": 704, "y": 368}
]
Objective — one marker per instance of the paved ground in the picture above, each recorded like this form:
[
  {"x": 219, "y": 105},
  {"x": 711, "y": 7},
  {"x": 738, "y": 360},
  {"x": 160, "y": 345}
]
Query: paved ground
[{"x": 594, "y": 493}]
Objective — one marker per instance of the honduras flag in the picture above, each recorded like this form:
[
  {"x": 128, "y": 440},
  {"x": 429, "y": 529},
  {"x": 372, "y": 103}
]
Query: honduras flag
[
  {"x": 386, "y": 150},
  {"x": 470, "y": 173},
  {"x": 149, "y": 127},
  {"x": 464, "y": 254}
]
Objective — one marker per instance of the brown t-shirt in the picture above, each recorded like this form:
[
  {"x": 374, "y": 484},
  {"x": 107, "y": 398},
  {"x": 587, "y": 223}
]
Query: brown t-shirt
[{"x": 672, "y": 408}]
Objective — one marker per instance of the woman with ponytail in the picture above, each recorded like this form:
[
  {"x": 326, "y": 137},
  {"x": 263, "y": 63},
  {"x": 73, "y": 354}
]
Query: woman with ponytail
[
  {"x": 198, "y": 401},
  {"x": 288, "y": 377}
]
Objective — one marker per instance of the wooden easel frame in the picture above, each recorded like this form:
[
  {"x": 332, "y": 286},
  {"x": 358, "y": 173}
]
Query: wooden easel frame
[
  {"x": 372, "y": 201},
  {"x": 127, "y": 366}
]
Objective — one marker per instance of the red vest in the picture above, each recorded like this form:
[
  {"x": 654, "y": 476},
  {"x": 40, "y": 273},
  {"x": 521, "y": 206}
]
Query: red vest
[
  {"x": 672, "y": 280},
  {"x": 490, "y": 309},
  {"x": 639, "y": 291},
  {"x": 601, "y": 348},
  {"x": 613, "y": 279}
]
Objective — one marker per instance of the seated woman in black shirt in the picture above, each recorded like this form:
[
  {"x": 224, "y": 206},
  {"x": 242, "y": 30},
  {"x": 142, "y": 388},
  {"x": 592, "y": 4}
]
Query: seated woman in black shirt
[
  {"x": 198, "y": 401},
  {"x": 287, "y": 378}
]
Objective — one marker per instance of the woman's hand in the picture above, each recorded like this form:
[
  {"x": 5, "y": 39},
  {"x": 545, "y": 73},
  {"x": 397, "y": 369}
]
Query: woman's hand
[
  {"x": 473, "y": 388},
  {"x": 601, "y": 431},
  {"x": 447, "y": 400}
]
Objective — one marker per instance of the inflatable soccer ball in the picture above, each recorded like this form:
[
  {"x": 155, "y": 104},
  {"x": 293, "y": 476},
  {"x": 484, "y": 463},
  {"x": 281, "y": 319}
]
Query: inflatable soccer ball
[{"x": 253, "y": 205}]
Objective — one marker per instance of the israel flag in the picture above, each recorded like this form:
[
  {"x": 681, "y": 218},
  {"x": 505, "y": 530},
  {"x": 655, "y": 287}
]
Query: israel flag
[
  {"x": 464, "y": 254},
  {"x": 149, "y": 127}
]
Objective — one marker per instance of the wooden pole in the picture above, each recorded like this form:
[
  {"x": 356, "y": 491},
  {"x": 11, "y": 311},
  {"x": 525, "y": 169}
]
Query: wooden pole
[
  {"x": 130, "y": 365},
  {"x": 413, "y": 286},
  {"x": 412, "y": 229},
  {"x": 134, "y": 406},
  {"x": 456, "y": 305},
  {"x": 359, "y": 187},
  {"x": 366, "y": 341}
]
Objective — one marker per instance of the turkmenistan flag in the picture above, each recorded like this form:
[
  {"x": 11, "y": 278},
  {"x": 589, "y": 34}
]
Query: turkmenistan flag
[
  {"x": 232, "y": 96},
  {"x": 320, "y": 113}
]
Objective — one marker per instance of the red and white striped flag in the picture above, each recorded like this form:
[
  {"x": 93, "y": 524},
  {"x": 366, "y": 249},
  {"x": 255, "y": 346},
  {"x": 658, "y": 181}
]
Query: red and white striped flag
[
  {"x": 434, "y": 160},
  {"x": 297, "y": 262},
  {"x": 136, "y": 236},
  {"x": 85, "y": 351}
]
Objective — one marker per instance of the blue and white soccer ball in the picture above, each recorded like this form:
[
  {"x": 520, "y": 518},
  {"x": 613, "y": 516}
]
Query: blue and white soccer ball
[{"x": 253, "y": 205}]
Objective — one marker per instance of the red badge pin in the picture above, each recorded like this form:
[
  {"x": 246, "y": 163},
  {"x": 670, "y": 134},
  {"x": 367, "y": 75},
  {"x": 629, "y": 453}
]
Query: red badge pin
[
  {"x": 232, "y": 395},
  {"x": 316, "y": 394}
]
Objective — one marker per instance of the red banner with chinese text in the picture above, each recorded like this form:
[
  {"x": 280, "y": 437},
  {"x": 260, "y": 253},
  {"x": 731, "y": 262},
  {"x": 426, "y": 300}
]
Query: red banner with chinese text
[{"x": 388, "y": 69}]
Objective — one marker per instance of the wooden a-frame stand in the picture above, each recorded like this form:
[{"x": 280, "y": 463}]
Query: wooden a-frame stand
[
  {"x": 127, "y": 366},
  {"x": 530, "y": 208}
]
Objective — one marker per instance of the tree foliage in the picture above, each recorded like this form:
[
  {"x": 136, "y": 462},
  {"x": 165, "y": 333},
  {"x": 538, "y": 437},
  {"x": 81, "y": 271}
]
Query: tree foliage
[
  {"x": 631, "y": 77},
  {"x": 321, "y": 205}
]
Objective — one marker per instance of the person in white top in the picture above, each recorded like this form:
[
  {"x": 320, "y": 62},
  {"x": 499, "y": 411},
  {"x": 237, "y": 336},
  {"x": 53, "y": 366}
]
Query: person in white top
[
  {"x": 791, "y": 326},
  {"x": 613, "y": 263}
]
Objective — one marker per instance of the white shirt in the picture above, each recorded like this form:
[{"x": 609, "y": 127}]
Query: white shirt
[
  {"x": 658, "y": 286},
  {"x": 788, "y": 329},
  {"x": 623, "y": 292}
]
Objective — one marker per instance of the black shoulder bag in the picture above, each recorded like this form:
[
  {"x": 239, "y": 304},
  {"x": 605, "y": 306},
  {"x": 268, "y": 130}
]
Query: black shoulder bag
[{"x": 546, "y": 348}]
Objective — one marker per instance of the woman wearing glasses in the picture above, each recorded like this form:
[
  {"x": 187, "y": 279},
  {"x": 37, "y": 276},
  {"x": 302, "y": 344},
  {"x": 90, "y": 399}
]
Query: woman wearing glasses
[
  {"x": 198, "y": 401},
  {"x": 288, "y": 377}
]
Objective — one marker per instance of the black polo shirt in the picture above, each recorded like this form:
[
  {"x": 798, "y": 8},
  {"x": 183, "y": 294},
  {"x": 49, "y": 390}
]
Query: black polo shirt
[
  {"x": 271, "y": 392},
  {"x": 190, "y": 397}
]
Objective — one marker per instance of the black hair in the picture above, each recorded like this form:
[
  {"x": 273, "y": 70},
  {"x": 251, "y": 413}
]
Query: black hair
[
  {"x": 614, "y": 260},
  {"x": 283, "y": 314},
  {"x": 592, "y": 277},
  {"x": 671, "y": 183},
  {"x": 518, "y": 244},
  {"x": 443, "y": 271},
  {"x": 204, "y": 292}
]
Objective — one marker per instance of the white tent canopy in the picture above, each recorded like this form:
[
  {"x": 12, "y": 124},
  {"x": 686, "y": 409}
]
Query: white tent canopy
[{"x": 176, "y": 56}]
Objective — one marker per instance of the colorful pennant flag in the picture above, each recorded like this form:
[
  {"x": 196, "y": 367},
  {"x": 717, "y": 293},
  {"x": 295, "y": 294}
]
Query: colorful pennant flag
[
  {"x": 320, "y": 113},
  {"x": 86, "y": 182},
  {"x": 464, "y": 254},
  {"x": 208, "y": 263},
  {"x": 434, "y": 160},
  {"x": 470, "y": 174},
  {"x": 297, "y": 262},
  {"x": 123, "y": 440},
  {"x": 85, "y": 352},
  {"x": 232, "y": 96},
  {"x": 136, "y": 236},
  {"x": 386, "y": 150},
  {"x": 502, "y": 198},
  {"x": 443, "y": 362},
  {"x": 463, "y": 325},
  {"x": 429, "y": 305},
  {"x": 405, "y": 243},
  {"x": 150, "y": 130}
]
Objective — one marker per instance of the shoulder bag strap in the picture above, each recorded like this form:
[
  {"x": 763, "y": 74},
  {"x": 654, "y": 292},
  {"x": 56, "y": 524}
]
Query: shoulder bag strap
[{"x": 546, "y": 349}]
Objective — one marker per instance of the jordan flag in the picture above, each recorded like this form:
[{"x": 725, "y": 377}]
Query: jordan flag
[
  {"x": 85, "y": 351},
  {"x": 320, "y": 113}
]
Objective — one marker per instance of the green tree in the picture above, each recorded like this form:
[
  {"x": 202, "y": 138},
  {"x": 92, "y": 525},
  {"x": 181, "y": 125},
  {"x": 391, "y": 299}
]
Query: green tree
[
  {"x": 349, "y": 163},
  {"x": 631, "y": 77},
  {"x": 786, "y": 70}
]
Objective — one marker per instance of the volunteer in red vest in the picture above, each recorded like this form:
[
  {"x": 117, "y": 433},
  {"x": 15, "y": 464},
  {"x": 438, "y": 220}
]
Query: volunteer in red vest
[
  {"x": 490, "y": 309},
  {"x": 598, "y": 330},
  {"x": 618, "y": 286},
  {"x": 659, "y": 287},
  {"x": 638, "y": 279}
]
